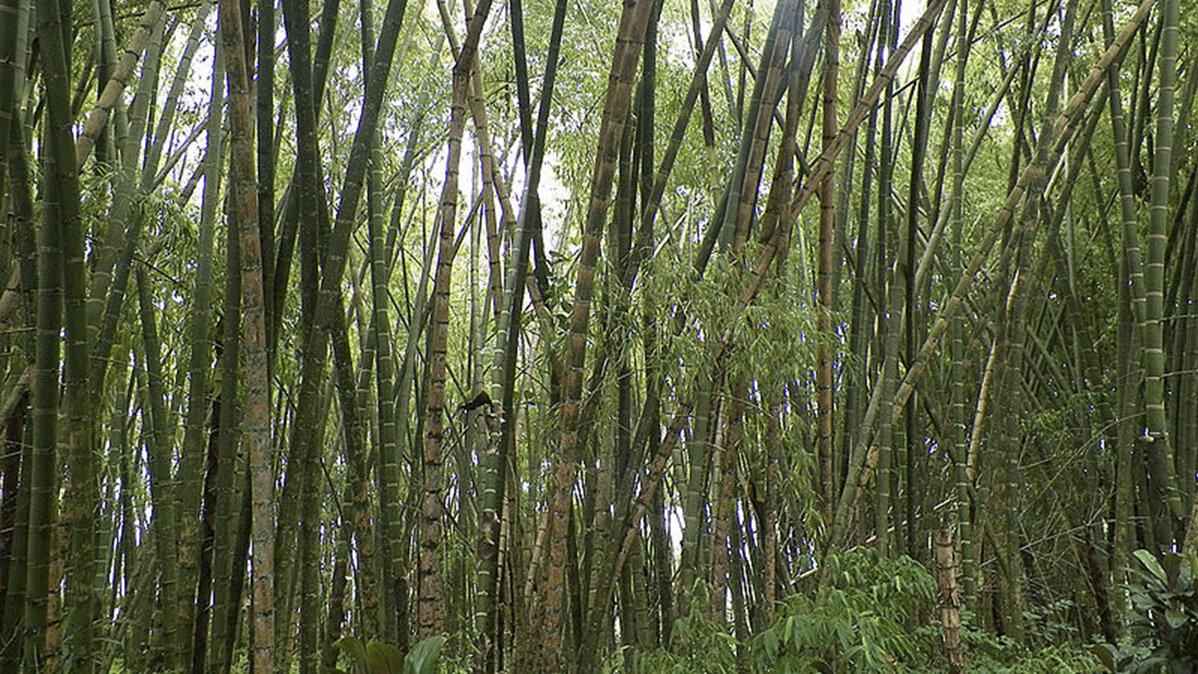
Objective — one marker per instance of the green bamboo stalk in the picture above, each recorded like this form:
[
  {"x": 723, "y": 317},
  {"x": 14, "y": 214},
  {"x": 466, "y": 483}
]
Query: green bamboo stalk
[
  {"x": 199, "y": 365},
  {"x": 166, "y": 117},
  {"x": 82, "y": 491},
  {"x": 11, "y": 71},
  {"x": 312, "y": 216},
  {"x": 336, "y": 244},
  {"x": 113, "y": 258},
  {"x": 1156, "y": 421},
  {"x": 387, "y": 443},
  {"x": 27, "y": 263},
  {"x": 891, "y": 284},
  {"x": 42, "y": 473},
  {"x": 503, "y": 381},
  {"x": 824, "y": 288},
  {"x": 652, "y": 200},
  {"x": 162, "y": 487},
  {"x": 17, "y": 543},
  {"x": 652, "y": 475},
  {"x": 767, "y": 89}
]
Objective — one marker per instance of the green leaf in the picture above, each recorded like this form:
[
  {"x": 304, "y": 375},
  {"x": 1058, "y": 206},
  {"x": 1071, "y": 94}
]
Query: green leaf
[
  {"x": 352, "y": 648},
  {"x": 1151, "y": 564},
  {"x": 383, "y": 659},
  {"x": 1185, "y": 576},
  {"x": 1175, "y": 618},
  {"x": 1142, "y": 601},
  {"x": 867, "y": 651},
  {"x": 1106, "y": 653},
  {"x": 423, "y": 658},
  {"x": 770, "y": 640}
]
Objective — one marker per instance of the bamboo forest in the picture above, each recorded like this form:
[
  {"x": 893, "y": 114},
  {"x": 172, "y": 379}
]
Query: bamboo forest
[{"x": 598, "y": 337}]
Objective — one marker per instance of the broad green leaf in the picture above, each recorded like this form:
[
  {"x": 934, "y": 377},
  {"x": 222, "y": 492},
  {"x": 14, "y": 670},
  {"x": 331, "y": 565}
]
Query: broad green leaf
[
  {"x": 1185, "y": 575},
  {"x": 1106, "y": 653},
  {"x": 353, "y": 648},
  {"x": 1151, "y": 564},
  {"x": 1175, "y": 618},
  {"x": 383, "y": 658},
  {"x": 423, "y": 658}
]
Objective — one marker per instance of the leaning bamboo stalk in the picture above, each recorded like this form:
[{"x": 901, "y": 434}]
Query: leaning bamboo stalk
[
  {"x": 160, "y": 139},
  {"x": 98, "y": 118},
  {"x": 824, "y": 163},
  {"x": 336, "y": 245},
  {"x": 493, "y": 180},
  {"x": 113, "y": 255},
  {"x": 678, "y": 134},
  {"x": 295, "y": 522},
  {"x": 746, "y": 176},
  {"x": 487, "y": 160},
  {"x": 652, "y": 481}
]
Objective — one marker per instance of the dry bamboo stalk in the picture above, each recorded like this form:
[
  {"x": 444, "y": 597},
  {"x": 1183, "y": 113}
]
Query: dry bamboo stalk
[
  {"x": 950, "y": 600},
  {"x": 98, "y": 119}
]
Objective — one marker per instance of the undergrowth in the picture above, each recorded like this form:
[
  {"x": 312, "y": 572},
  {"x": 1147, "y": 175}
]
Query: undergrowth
[{"x": 868, "y": 615}]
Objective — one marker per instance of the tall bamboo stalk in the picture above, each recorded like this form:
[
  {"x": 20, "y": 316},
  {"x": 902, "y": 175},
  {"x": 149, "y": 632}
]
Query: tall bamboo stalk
[
  {"x": 824, "y": 289},
  {"x": 629, "y": 40},
  {"x": 256, "y": 428},
  {"x": 429, "y": 612}
]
